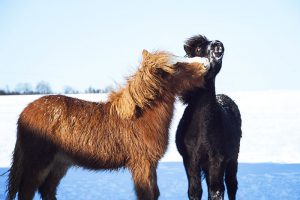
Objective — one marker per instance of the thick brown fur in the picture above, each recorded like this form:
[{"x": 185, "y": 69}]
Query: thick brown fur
[{"x": 130, "y": 130}]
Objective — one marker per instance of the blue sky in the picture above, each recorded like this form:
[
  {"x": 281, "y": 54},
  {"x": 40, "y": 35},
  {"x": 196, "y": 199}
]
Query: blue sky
[{"x": 99, "y": 43}]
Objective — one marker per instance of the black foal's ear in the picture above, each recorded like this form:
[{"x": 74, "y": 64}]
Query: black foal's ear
[{"x": 188, "y": 50}]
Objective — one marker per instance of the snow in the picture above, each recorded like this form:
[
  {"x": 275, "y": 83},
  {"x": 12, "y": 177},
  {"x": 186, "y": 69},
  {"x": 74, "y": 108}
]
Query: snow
[
  {"x": 256, "y": 181},
  {"x": 270, "y": 124}
]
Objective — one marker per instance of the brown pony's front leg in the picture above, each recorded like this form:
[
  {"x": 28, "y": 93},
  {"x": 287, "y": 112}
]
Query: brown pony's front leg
[
  {"x": 145, "y": 181},
  {"x": 153, "y": 179}
]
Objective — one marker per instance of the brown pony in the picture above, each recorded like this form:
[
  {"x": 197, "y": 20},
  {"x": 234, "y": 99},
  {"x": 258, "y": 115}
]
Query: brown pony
[{"x": 130, "y": 130}]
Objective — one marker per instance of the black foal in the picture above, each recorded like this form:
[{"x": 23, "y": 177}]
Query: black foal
[{"x": 208, "y": 134}]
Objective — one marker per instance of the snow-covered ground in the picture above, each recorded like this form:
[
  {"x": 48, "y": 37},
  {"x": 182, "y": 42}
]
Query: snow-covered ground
[
  {"x": 256, "y": 181},
  {"x": 271, "y": 125}
]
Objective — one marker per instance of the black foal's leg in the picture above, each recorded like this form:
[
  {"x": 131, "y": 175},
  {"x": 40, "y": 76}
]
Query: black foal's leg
[
  {"x": 206, "y": 173},
  {"x": 231, "y": 179},
  {"x": 192, "y": 169},
  {"x": 216, "y": 179}
]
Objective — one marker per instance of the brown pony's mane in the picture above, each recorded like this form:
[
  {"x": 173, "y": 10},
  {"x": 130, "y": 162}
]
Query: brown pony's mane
[{"x": 144, "y": 87}]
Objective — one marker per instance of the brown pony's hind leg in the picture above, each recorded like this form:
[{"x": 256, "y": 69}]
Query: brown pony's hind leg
[
  {"x": 38, "y": 157},
  {"x": 31, "y": 179},
  {"x": 48, "y": 188},
  {"x": 145, "y": 182}
]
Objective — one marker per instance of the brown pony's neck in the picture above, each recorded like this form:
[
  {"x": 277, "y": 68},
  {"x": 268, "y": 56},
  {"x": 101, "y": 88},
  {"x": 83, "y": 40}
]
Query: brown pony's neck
[
  {"x": 143, "y": 92},
  {"x": 128, "y": 106}
]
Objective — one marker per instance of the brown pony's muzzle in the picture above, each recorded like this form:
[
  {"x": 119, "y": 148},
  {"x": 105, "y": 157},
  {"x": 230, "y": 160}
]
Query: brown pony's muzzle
[{"x": 198, "y": 62}]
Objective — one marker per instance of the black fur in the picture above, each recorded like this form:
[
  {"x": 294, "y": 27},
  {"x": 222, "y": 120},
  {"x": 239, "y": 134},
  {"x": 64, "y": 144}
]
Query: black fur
[{"x": 208, "y": 135}]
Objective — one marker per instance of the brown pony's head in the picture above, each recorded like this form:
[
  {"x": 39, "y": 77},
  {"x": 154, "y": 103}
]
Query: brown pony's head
[
  {"x": 173, "y": 73},
  {"x": 161, "y": 75},
  {"x": 190, "y": 73}
]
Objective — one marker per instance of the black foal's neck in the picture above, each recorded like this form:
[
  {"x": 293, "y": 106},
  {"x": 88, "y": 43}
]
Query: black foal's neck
[{"x": 207, "y": 94}]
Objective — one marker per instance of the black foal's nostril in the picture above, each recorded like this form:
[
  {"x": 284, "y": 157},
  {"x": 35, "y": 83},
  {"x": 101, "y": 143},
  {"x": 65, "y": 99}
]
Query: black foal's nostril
[{"x": 219, "y": 49}]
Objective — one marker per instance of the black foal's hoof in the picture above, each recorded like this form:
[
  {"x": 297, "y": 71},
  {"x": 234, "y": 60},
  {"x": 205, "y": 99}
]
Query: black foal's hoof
[{"x": 217, "y": 195}]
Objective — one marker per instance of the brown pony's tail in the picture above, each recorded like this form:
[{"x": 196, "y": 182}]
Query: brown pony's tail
[{"x": 15, "y": 173}]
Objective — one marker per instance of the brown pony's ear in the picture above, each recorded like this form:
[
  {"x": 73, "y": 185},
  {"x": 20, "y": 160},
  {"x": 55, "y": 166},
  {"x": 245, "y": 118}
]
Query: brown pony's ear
[
  {"x": 188, "y": 50},
  {"x": 145, "y": 53}
]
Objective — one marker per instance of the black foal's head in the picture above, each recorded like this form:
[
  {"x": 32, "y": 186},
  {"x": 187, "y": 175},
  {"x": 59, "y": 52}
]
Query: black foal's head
[{"x": 200, "y": 46}]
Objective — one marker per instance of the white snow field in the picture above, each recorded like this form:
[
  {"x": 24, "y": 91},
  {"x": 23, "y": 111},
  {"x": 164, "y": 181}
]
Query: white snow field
[
  {"x": 270, "y": 124},
  {"x": 256, "y": 182}
]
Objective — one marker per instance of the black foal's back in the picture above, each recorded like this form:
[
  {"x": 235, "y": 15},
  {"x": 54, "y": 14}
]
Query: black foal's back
[{"x": 208, "y": 138}]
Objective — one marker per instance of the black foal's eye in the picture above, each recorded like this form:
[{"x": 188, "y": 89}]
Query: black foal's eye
[{"x": 198, "y": 49}]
